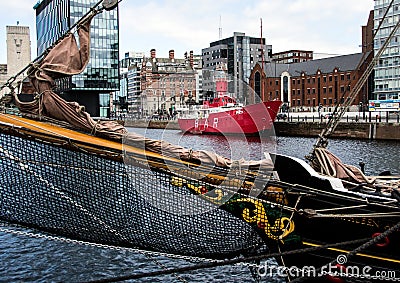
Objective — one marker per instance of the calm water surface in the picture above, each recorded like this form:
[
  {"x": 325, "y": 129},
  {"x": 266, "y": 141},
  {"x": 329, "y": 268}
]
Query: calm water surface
[{"x": 29, "y": 259}]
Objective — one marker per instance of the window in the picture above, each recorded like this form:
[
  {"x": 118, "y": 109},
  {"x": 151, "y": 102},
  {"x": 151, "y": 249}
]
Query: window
[
  {"x": 285, "y": 89},
  {"x": 257, "y": 83}
]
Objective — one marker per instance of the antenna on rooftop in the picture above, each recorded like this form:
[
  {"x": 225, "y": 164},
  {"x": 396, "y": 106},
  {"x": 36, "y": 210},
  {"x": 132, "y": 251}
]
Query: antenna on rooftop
[
  {"x": 262, "y": 46},
  {"x": 220, "y": 28}
]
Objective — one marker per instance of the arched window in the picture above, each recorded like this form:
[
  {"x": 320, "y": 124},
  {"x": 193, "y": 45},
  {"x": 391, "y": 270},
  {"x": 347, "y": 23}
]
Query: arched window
[
  {"x": 257, "y": 83},
  {"x": 285, "y": 89}
]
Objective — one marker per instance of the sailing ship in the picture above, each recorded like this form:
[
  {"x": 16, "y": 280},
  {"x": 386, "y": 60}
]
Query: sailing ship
[
  {"x": 65, "y": 174},
  {"x": 224, "y": 115}
]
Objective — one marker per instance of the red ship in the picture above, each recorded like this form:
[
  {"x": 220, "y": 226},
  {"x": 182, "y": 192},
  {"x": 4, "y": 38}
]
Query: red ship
[{"x": 225, "y": 116}]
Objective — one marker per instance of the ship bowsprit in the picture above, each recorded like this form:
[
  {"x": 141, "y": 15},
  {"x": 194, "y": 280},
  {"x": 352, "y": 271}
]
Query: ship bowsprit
[{"x": 95, "y": 199}]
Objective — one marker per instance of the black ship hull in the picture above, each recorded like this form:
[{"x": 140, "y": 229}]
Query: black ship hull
[{"x": 340, "y": 229}]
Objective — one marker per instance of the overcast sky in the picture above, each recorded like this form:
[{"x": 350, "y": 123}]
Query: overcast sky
[{"x": 325, "y": 27}]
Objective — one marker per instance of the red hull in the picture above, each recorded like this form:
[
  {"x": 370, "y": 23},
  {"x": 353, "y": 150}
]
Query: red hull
[{"x": 248, "y": 120}]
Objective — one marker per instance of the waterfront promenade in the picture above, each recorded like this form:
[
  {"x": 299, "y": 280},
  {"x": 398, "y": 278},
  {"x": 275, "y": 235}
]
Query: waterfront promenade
[{"x": 374, "y": 128}]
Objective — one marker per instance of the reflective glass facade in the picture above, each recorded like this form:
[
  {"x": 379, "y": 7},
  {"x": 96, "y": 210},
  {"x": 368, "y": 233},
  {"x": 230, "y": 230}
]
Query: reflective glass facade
[
  {"x": 51, "y": 22},
  {"x": 54, "y": 17},
  {"x": 387, "y": 70},
  {"x": 104, "y": 104}
]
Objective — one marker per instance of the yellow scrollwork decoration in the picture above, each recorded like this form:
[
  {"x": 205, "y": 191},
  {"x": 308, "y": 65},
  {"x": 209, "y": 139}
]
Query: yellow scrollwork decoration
[
  {"x": 179, "y": 182},
  {"x": 282, "y": 227}
]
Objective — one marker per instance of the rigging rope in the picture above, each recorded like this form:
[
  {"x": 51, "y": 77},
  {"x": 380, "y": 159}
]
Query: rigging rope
[
  {"x": 333, "y": 122},
  {"x": 359, "y": 249},
  {"x": 242, "y": 260},
  {"x": 93, "y": 9}
]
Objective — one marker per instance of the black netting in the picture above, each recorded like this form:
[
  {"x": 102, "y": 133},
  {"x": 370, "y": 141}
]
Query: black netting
[{"x": 87, "y": 197}]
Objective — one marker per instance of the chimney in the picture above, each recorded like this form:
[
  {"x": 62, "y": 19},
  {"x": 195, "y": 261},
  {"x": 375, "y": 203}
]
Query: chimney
[
  {"x": 171, "y": 54},
  {"x": 185, "y": 55},
  {"x": 153, "y": 53},
  {"x": 191, "y": 58}
]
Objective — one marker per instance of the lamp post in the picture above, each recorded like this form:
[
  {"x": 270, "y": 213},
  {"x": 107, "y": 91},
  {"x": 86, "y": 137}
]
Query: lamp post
[
  {"x": 319, "y": 109},
  {"x": 158, "y": 101}
]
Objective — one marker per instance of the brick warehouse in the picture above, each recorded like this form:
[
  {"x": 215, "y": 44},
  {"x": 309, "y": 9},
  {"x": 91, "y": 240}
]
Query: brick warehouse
[
  {"x": 306, "y": 85},
  {"x": 303, "y": 86}
]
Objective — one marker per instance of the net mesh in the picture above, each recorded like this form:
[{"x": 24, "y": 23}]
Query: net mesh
[{"x": 91, "y": 198}]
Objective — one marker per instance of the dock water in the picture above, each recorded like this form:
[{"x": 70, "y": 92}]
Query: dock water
[{"x": 352, "y": 130}]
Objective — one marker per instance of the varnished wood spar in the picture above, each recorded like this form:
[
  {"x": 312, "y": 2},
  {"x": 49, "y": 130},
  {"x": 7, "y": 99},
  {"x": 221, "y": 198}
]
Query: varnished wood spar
[
  {"x": 54, "y": 134},
  {"x": 78, "y": 141}
]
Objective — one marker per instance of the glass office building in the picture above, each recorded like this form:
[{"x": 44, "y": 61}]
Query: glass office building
[
  {"x": 387, "y": 70},
  {"x": 91, "y": 88}
]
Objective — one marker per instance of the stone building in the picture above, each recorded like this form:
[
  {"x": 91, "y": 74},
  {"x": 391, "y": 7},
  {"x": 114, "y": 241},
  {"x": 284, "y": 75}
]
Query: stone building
[
  {"x": 18, "y": 53},
  {"x": 167, "y": 84}
]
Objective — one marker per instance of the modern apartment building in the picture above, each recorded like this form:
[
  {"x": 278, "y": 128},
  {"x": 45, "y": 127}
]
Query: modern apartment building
[
  {"x": 131, "y": 58},
  {"x": 239, "y": 54},
  {"x": 292, "y": 56},
  {"x": 134, "y": 102},
  {"x": 387, "y": 71},
  {"x": 127, "y": 99},
  {"x": 92, "y": 88}
]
